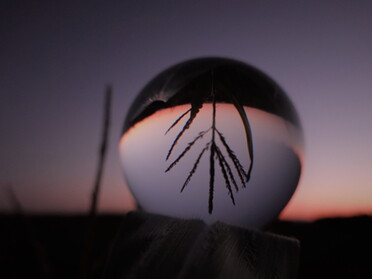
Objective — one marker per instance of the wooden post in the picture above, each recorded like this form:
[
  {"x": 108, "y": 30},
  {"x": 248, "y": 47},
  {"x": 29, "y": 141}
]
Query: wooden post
[{"x": 153, "y": 246}]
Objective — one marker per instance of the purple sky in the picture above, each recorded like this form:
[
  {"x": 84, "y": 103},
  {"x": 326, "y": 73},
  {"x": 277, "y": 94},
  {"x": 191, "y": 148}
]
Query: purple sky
[{"x": 57, "y": 56}]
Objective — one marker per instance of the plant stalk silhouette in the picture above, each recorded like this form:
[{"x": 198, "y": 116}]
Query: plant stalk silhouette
[
  {"x": 228, "y": 166},
  {"x": 86, "y": 264}
]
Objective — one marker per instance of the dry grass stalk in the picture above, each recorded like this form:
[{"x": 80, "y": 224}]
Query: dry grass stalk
[
  {"x": 226, "y": 165},
  {"x": 90, "y": 230}
]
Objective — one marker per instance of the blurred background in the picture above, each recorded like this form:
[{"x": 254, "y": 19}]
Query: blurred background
[{"x": 57, "y": 57}]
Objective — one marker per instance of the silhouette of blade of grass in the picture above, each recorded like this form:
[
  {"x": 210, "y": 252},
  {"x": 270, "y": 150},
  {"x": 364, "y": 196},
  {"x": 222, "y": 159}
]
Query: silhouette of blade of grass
[
  {"x": 102, "y": 151},
  {"x": 224, "y": 173},
  {"x": 194, "y": 111},
  {"x": 248, "y": 132},
  {"x": 194, "y": 167},
  {"x": 177, "y": 120},
  {"x": 228, "y": 169},
  {"x": 188, "y": 147},
  {"x": 215, "y": 152},
  {"x": 86, "y": 265},
  {"x": 211, "y": 177},
  {"x": 238, "y": 166}
]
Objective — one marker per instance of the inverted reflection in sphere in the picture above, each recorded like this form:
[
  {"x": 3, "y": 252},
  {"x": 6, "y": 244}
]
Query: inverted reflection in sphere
[{"x": 215, "y": 139}]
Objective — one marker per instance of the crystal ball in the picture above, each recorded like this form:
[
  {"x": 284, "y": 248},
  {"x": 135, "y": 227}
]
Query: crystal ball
[{"x": 213, "y": 139}]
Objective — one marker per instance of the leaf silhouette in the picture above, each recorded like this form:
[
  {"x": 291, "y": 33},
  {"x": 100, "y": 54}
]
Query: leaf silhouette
[
  {"x": 195, "y": 166},
  {"x": 188, "y": 147},
  {"x": 224, "y": 173},
  {"x": 248, "y": 131},
  {"x": 239, "y": 168},
  {"x": 177, "y": 120},
  {"x": 195, "y": 107},
  {"x": 228, "y": 168}
]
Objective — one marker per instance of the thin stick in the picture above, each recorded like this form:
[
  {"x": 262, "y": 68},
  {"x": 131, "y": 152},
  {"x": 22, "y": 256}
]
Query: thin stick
[
  {"x": 102, "y": 151},
  {"x": 213, "y": 151},
  {"x": 89, "y": 239}
]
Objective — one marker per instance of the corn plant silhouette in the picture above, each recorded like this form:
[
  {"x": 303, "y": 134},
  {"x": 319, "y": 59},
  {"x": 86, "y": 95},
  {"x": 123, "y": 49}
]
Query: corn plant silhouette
[{"x": 227, "y": 165}]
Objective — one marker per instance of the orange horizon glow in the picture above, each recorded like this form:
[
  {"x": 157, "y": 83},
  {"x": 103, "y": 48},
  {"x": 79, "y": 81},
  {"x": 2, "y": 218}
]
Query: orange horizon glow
[
  {"x": 326, "y": 193},
  {"x": 296, "y": 210},
  {"x": 311, "y": 213}
]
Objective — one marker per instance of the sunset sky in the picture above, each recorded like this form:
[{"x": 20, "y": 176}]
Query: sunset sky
[{"x": 56, "y": 58}]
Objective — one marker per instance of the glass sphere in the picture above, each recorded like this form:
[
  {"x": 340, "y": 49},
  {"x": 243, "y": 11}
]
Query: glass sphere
[{"x": 213, "y": 139}]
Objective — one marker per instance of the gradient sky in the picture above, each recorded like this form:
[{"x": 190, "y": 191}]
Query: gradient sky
[{"x": 57, "y": 56}]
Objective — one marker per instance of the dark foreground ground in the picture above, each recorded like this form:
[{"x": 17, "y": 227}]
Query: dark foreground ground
[{"x": 51, "y": 246}]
